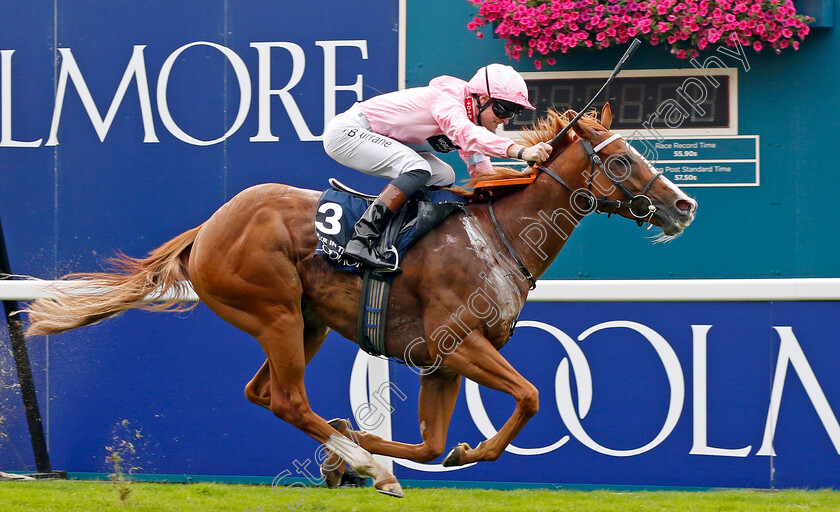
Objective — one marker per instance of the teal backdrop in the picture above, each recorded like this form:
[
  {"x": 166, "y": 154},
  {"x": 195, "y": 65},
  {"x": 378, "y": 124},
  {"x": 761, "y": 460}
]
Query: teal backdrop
[{"x": 783, "y": 228}]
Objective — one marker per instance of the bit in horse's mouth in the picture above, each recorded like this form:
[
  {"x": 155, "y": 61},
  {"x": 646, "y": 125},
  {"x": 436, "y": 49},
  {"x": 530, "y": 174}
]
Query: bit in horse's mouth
[{"x": 671, "y": 227}]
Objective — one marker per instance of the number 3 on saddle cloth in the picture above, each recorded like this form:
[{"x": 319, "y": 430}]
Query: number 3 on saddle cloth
[
  {"x": 339, "y": 210},
  {"x": 336, "y": 215}
]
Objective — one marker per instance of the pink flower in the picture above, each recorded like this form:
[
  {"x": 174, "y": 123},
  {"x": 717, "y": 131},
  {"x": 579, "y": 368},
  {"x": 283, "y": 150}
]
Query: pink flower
[
  {"x": 538, "y": 64},
  {"x": 550, "y": 61},
  {"x": 552, "y": 26}
]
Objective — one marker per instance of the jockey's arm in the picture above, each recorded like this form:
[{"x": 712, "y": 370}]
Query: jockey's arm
[{"x": 539, "y": 152}]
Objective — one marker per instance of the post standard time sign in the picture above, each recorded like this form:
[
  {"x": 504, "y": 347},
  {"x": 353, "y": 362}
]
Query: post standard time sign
[{"x": 726, "y": 161}]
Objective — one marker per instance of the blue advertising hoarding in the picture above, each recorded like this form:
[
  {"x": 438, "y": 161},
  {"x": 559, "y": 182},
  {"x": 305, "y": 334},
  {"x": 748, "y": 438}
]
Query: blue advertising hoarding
[{"x": 681, "y": 394}]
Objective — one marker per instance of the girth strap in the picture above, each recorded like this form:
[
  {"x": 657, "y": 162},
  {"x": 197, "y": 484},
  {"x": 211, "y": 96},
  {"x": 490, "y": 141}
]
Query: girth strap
[
  {"x": 373, "y": 313},
  {"x": 510, "y": 248}
]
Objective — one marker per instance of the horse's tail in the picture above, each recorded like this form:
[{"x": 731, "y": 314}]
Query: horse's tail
[{"x": 159, "y": 282}]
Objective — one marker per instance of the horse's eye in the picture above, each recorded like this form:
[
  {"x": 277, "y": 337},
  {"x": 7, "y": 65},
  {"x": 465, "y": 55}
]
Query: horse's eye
[{"x": 623, "y": 160}]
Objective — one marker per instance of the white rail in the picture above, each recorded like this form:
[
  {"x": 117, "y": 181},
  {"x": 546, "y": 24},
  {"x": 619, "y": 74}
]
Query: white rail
[
  {"x": 690, "y": 290},
  {"x": 636, "y": 290}
]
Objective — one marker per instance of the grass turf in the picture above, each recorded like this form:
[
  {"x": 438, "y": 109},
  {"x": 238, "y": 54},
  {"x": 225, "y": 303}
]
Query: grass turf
[{"x": 97, "y": 496}]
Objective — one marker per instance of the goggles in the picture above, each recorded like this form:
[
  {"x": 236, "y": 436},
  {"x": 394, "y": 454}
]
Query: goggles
[{"x": 505, "y": 109}]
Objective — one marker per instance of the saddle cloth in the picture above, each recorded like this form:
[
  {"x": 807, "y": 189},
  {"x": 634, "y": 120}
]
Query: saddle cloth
[{"x": 338, "y": 212}]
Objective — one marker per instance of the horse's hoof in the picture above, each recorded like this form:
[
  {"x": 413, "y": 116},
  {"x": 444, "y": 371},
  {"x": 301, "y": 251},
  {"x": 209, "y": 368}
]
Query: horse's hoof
[
  {"x": 332, "y": 477},
  {"x": 454, "y": 457},
  {"x": 390, "y": 487},
  {"x": 332, "y": 471}
]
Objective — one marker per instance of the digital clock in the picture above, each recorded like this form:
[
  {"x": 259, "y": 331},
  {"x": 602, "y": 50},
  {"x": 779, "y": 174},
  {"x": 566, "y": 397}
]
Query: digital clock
[{"x": 707, "y": 97}]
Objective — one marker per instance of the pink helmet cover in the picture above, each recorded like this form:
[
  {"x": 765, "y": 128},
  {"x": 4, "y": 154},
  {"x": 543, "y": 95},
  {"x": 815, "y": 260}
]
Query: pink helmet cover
[{"x": 505, "y": 84}]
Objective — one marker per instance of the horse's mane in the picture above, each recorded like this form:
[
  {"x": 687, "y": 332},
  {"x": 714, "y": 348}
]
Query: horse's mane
[{"x": 542, "y": 131}]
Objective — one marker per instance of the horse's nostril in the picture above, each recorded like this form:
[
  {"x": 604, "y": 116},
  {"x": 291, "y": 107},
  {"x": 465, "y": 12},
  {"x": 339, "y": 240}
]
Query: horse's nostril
[{"x": 684, "y": 205}]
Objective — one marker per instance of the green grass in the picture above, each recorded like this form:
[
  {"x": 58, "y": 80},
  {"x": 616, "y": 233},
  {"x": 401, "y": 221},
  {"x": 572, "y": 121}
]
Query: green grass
[{"x": 97, "y": 496}]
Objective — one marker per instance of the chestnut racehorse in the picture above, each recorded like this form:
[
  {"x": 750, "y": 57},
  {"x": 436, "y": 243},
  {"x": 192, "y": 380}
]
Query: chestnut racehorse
[{"x": 462, "y": 287}]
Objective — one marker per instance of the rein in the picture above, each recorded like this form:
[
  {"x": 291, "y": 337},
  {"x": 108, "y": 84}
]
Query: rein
[
  {"x": 639, "y": 205},
  {"x": 511, "y": 250}
]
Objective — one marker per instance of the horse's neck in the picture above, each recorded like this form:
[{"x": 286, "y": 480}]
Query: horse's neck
[{"x": 540, "y": 218}]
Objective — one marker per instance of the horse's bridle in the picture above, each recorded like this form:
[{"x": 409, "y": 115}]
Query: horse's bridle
[{"x": 639, "y": 205}]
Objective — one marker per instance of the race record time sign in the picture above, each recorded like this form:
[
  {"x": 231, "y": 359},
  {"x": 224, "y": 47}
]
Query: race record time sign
[{"x": 705, "y": 162}]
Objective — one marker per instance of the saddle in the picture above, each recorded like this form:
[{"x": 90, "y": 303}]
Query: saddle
[{"x": 340, "y": 207}]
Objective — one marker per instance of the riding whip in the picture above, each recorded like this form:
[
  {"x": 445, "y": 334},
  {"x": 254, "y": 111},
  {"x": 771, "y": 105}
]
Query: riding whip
[{"x": 629, "y": 53}]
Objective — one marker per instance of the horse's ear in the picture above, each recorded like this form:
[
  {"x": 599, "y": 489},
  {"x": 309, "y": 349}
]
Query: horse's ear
[{"x": 606, "y": 116}]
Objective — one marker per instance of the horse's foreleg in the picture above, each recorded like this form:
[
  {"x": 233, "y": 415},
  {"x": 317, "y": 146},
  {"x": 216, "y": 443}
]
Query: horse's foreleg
[{"x": 477, "y": 359}]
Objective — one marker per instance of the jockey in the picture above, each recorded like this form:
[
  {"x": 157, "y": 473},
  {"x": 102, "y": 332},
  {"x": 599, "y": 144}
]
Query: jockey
[{"x": 394, "y": 135}]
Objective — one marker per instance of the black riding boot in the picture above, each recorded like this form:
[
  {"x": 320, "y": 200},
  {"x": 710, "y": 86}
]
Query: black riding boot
[
  {"x": 366, "y": 234},
  {"x": 362, "y": 246}
]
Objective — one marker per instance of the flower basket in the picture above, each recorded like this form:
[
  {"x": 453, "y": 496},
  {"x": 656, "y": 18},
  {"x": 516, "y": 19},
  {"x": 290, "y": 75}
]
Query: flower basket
[{"x": 542, "y": 29}]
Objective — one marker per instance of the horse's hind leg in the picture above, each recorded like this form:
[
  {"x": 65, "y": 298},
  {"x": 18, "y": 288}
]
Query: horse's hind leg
[
  {"x": 436, "y": 402},
  {"x": 288, "y": 401},
  {"x": 281, "y": 330},
  {"x": 314, "y": 334},
  {"x": 258, "y": 391}
]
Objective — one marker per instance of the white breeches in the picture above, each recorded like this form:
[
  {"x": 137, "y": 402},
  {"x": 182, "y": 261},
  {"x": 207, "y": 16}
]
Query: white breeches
[{"x": 349, "y": 141}]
